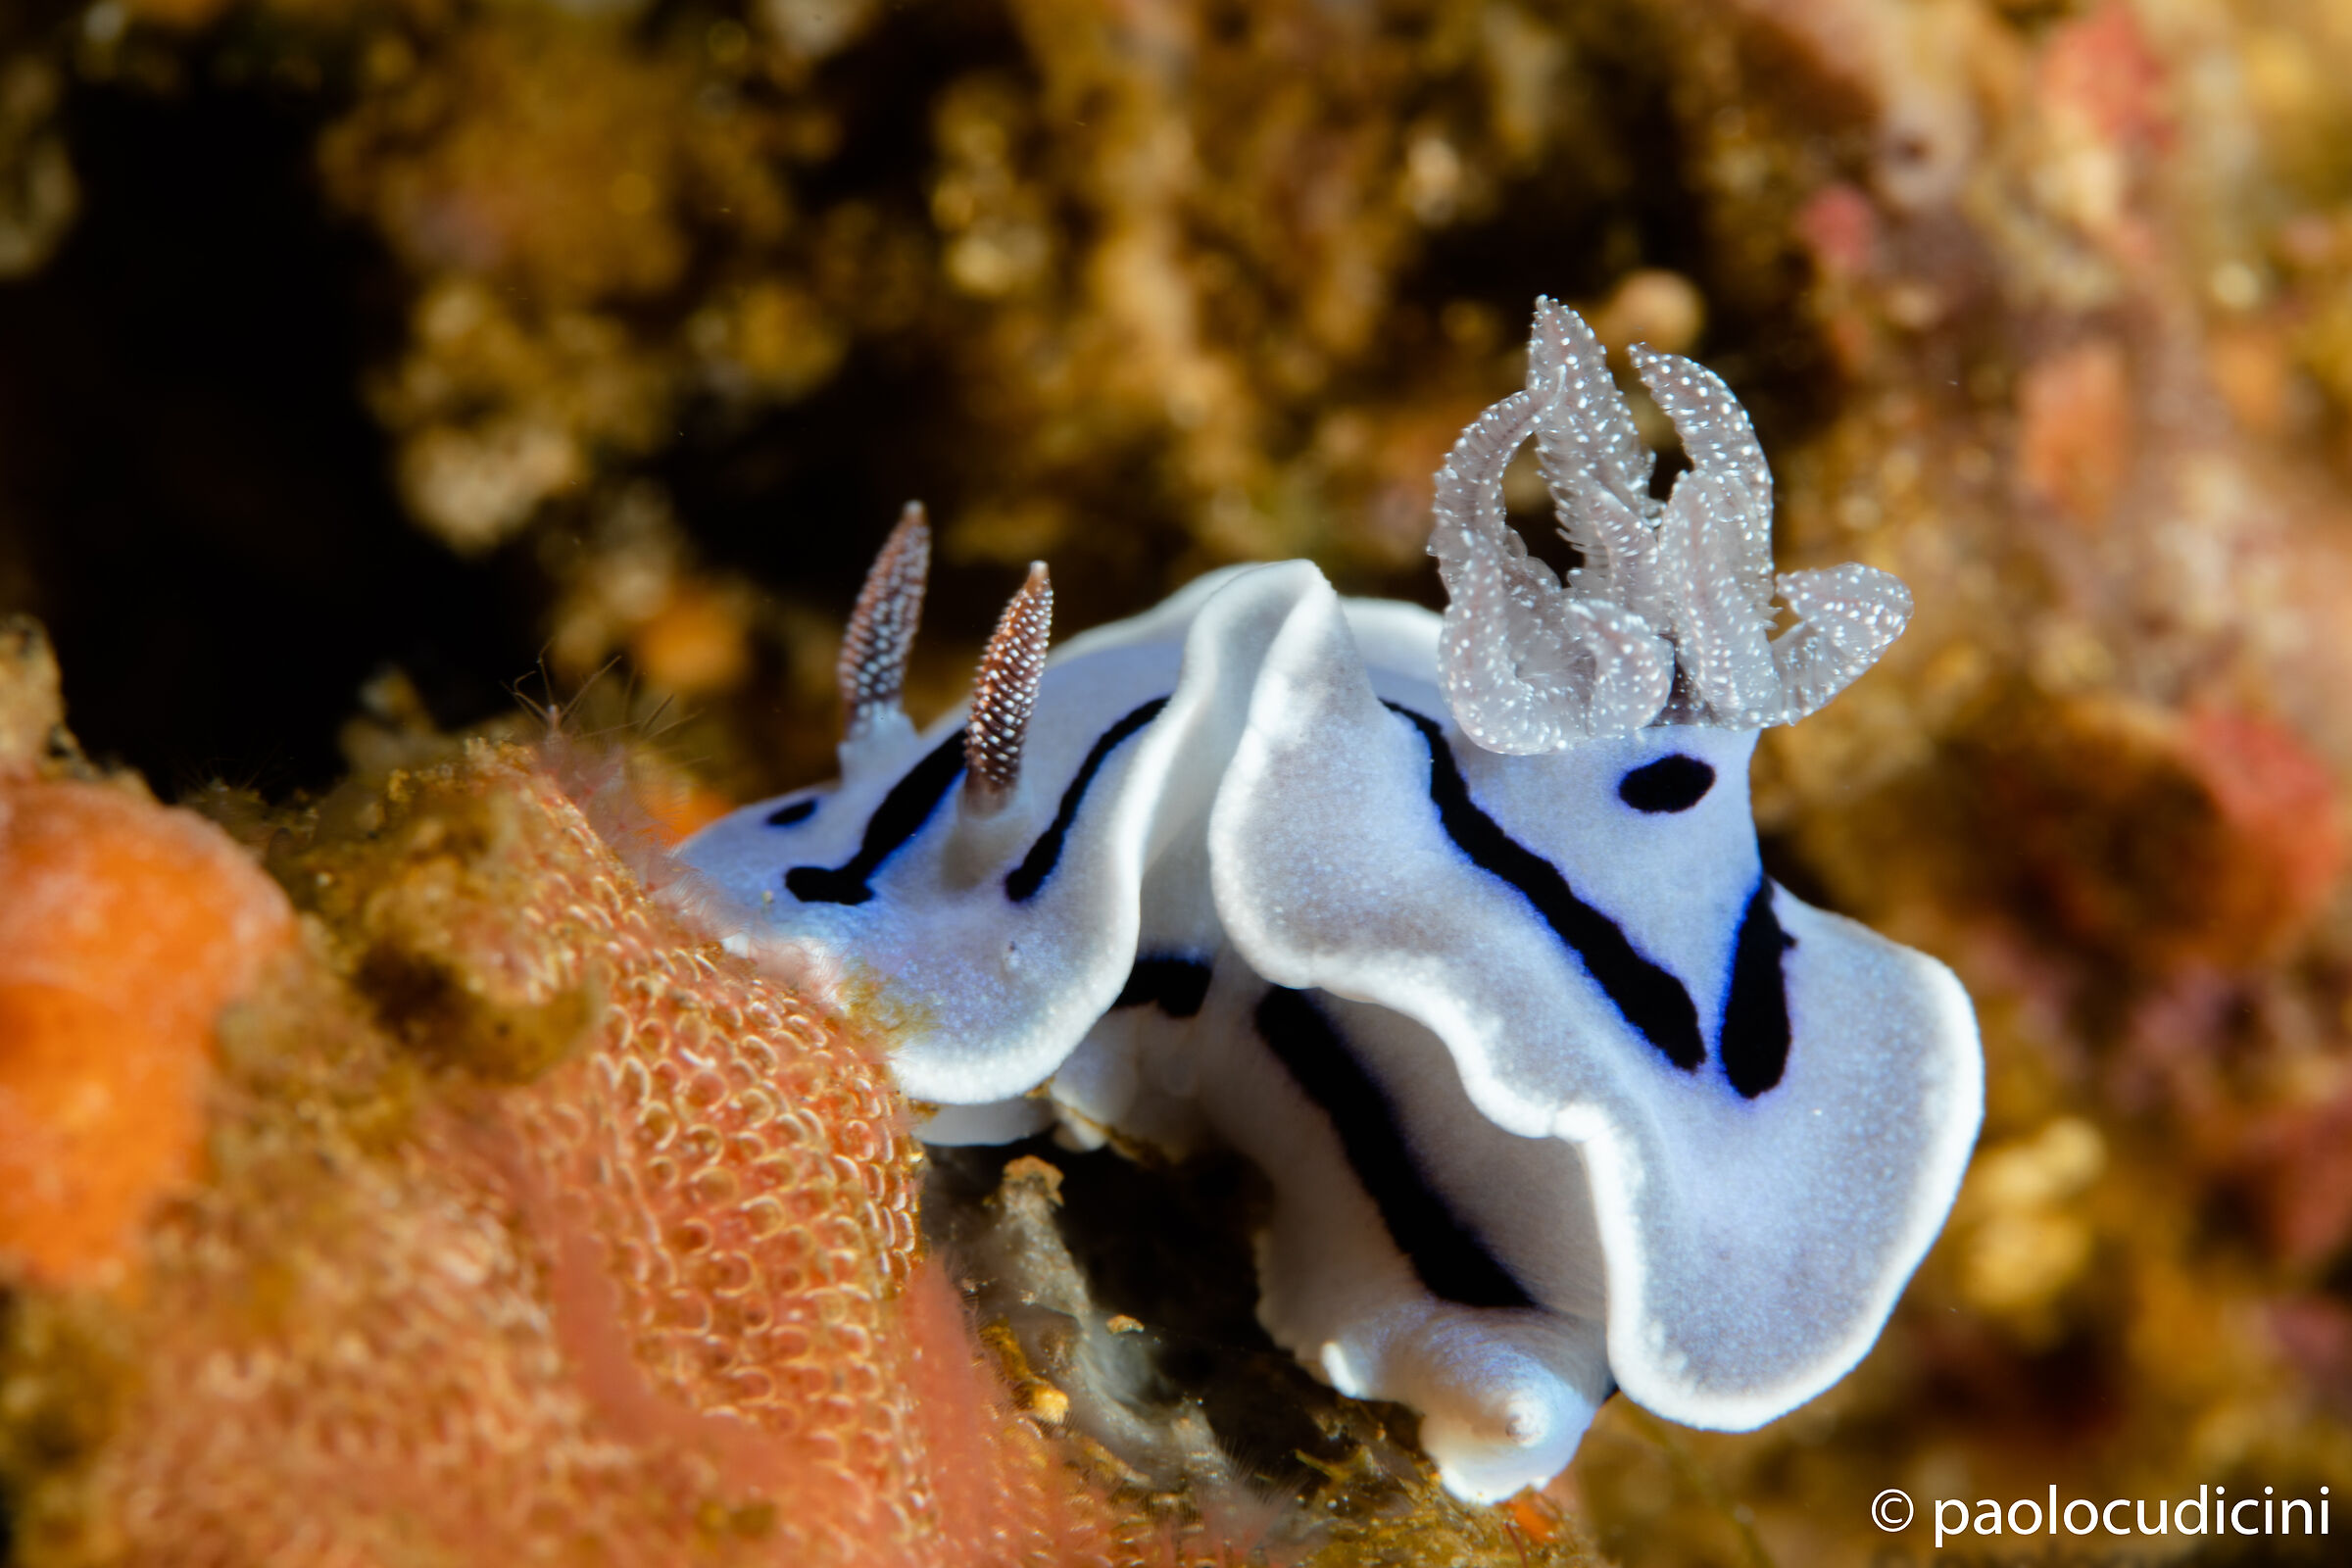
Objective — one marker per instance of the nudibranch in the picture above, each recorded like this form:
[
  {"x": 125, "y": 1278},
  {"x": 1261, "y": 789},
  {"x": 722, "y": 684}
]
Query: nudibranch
[{"x": 1456, "y": 928}]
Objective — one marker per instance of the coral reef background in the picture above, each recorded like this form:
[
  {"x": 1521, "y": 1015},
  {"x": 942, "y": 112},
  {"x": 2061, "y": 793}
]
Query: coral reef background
[{"x": 364, "y": 361}]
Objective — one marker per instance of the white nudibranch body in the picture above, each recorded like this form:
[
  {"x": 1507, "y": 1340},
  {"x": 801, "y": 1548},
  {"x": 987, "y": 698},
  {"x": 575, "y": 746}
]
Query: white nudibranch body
[{"x": 1455, "y": 927}]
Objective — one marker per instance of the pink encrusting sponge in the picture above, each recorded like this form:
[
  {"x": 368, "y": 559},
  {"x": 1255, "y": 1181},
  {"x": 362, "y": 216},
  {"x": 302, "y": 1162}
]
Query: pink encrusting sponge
[{"x": 535, "y": 1227}]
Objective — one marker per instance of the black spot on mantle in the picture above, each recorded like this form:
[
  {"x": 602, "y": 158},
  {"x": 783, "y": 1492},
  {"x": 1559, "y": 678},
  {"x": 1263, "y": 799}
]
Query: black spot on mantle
[{"x": 1673, "y": 783}]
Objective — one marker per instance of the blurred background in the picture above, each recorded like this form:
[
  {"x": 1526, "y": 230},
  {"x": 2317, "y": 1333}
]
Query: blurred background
[{"x": 383, "y": 363}]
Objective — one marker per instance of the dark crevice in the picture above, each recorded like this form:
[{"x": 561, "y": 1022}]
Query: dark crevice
[
  {"x": 210, "y": 530},
  {"x": 1176, "y": 985}
]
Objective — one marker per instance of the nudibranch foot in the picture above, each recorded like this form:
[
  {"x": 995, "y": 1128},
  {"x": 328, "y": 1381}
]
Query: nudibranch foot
[
  {"x": 1384, "y": 1265},
  {"x": 1456, "y": 928},
  {"x": 1503, "y": 1404}
]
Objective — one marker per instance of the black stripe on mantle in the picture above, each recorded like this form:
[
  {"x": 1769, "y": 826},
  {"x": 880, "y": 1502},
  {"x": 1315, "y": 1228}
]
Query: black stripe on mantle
[
  {"x": 1649, "y": 997},
  {"x": 1450, "y": 1260}
]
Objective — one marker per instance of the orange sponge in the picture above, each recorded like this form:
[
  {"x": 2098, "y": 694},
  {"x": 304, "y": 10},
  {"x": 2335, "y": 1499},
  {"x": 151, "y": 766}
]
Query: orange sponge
[{"x": 124, "y": 927}]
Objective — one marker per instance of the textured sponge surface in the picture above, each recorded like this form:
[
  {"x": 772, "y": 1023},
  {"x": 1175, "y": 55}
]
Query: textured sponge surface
[{"x": 124, "y": 927}]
